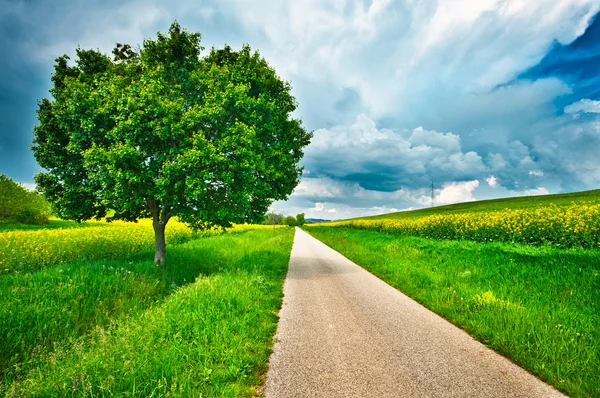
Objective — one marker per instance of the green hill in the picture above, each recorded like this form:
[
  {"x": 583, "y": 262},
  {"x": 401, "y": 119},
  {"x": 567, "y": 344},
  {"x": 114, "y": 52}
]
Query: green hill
[{"x": 522, "y": 202}]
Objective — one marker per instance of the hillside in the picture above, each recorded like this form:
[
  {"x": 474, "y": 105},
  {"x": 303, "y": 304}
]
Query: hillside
[{"x": 522, "y": 202}]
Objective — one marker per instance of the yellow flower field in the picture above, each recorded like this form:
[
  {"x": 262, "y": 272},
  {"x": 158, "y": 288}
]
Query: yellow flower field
[
  {"x": 30, "y": 250},
  {"x": 576, "y": 225}
]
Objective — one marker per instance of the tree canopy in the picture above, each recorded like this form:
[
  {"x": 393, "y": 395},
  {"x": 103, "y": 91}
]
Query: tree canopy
[{"x": 163, "y": 132}]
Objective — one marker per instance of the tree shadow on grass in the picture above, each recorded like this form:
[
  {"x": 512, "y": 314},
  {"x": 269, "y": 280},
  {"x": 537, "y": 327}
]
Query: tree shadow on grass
[{"x": 65, "y": 302}]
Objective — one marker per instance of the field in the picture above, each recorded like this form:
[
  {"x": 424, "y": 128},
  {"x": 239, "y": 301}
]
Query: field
[
  {"x": 92, "y": 316},
  {"x": 532, "y": 294},
  {"x": 570, "y": 222}
]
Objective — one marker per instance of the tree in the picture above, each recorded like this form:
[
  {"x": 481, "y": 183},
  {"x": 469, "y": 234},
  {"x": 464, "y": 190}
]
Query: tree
[
  {"x": 164, "y": 133},
  {"x": 273, "y": 219},
  {"x": 18, "y": 205},
  {"x": 290, "y": 221},
  {"x": 300, "y": 219}
]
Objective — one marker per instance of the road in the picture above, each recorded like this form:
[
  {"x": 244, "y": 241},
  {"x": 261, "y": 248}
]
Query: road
[{"x": 345, "y": 333}]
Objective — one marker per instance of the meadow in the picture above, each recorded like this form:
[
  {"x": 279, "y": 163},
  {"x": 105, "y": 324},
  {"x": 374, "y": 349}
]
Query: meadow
[
  {"x": 576, "y": 225},
  {"x": 24, "y": 250},
  {"x": 93, "y": 316},
  {"x": 520, "y": 275}
]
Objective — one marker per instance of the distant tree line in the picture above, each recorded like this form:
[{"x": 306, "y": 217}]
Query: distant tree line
[
  {"x": 278, "y": 219},
  {"x": 20, "y": 206}
]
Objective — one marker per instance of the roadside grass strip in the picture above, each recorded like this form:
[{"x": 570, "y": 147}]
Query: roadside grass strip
[
  {"x": 201, "y": 325},
  {"x": 539, "y": 306},
  {"x": 576, "y": 225}
]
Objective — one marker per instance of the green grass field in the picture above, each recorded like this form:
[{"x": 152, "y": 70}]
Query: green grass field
[
  {"x": 201, "y": 325},
  {"x": 502, "y": 275}
]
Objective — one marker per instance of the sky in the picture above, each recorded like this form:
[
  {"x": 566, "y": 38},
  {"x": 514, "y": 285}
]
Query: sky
[{"x": 484, "y": 98}]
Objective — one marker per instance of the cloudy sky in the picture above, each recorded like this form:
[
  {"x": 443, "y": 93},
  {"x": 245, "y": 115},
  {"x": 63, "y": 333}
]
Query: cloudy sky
[{"x": 486, "y": 98}]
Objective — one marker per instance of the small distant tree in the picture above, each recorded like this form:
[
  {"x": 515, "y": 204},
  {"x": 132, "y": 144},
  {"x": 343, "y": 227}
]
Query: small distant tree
[
  {"x": 273, "y": 218},
  {"x": 290, "y": 221},
  {"x": 300, "y": 219},
  {"x": 18, "y": 205},
  {"x": 162, "y": 132}
]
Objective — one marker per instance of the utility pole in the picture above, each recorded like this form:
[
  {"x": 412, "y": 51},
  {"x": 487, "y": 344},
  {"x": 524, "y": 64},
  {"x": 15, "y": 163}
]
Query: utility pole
[{"x": 432, "y": 189}]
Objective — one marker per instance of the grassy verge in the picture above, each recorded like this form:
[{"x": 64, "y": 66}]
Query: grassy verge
[
  {"x": 538, "y": 306},
  {"x": 200, "y": 326}
]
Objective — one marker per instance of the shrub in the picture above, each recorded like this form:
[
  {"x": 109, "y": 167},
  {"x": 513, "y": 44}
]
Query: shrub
[
  {"x": 18, "y": 205},
  {"x": 290, "y": 221}
]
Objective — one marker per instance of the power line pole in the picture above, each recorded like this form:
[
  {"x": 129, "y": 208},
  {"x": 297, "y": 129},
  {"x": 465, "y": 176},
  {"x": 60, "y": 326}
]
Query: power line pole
[{"x": 432, "y": 189}]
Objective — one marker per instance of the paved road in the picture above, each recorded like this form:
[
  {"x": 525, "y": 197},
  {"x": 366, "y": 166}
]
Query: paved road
[{"x": 345, "y": 333}]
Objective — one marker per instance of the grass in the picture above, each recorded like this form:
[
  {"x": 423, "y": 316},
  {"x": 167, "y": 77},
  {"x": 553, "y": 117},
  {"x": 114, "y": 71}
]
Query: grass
[
  {"x": 539, "y": 306},
  {"x": 201, "y": 325},
  {"x": 524, "y": 202}
]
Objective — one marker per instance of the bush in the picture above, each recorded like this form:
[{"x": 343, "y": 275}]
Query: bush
[
  {"x": 273, "y": 219},
  {"x": 18, "y": 205},
  {"x": 290, "y": 221}
]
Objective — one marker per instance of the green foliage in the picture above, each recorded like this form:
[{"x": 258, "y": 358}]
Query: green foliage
[
  {"x": 539, "y": 306},
  {"x": 166, "y": 133},
  {"x": 202, "y": 325},
  {"x": 300, "y": 221},
  {"x": 273, "y": 219},
  {"x": 18, "y": 205},
  {"x": 290, "y": 221}
]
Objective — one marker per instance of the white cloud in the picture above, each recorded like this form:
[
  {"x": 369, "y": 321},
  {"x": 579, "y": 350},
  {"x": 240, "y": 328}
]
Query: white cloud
[
  {"x": 317, "y": 187},
  {"x": 537, "y": 173},
  {"x": 456, "y": 192},
  {"x": 584, "y": 105},
  {"x": 396, "y": 54},
  {"x": 492, "y": 181},
  {"x": 536, "y": 191},
  {"x": 322, "y": 208}
]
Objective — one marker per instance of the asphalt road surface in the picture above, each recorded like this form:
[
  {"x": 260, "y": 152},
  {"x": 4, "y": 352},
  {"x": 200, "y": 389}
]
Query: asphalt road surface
[{"x": 345, "y": 333}]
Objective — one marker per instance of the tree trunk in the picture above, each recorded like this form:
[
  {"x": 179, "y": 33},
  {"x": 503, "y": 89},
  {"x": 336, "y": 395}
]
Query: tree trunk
[{"x": 159, "y": 237}]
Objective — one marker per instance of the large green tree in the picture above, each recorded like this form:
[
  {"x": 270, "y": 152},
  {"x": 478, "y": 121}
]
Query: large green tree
[{"x": 163, "y": 132}]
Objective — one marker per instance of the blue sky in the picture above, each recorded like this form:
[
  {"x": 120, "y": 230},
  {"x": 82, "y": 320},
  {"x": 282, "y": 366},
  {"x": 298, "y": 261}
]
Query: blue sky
[{"x": 487, "y": 98}]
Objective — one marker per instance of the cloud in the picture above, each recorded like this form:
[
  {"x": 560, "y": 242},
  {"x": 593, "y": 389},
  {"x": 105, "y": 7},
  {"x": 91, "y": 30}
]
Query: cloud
[
  {"x": 537, "y": 173},
  {"x": 492, "y": 181},
  {"x": 536, "y": 191},
  {"x": 457, "y": 192},
  {"x": 317, "y": 188},
  {"x": 584, "y": 105},
  {"x": 323, "y": 208},
  {"x": 384, "y": 159}
]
